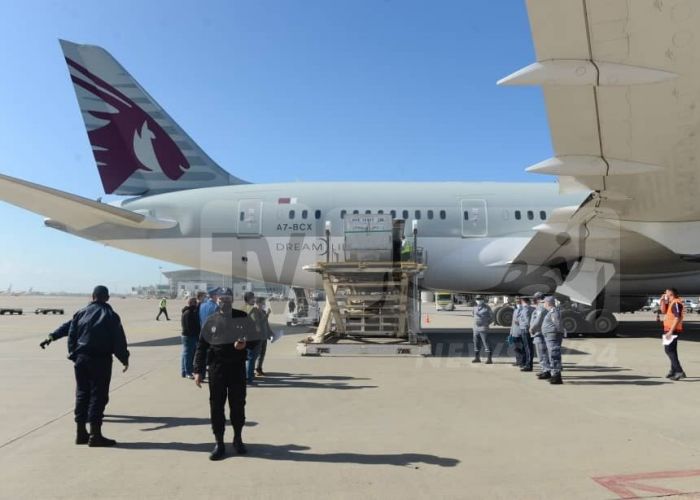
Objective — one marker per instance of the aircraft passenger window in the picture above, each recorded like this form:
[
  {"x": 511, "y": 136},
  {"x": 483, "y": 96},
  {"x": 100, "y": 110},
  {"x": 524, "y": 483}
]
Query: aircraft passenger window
[
  {"x": 355, "y": 212},
  {"x": 380, "y": 211},
  {"x": 543, "y": 214},
  {"x": 393, "y": 214},
  {"x": 367, "y": 212},
  {"x": 242, "y": 216},
  {"x": 466, "y": 215},
  {"x": 430, "y": 214},
  {"x": 304, "y": 214},
  {"x": 291, "y": 214},
  {"x": 417, "y": 214},
  {"x": 317, "y": 214},
  {"x": 342, "y": 213},
  {"x": 517, "y": 215},
  {"x": 443, "y": 214},
  {"x": 405, "y": 214},
  {"x": 530, "y": 215}
]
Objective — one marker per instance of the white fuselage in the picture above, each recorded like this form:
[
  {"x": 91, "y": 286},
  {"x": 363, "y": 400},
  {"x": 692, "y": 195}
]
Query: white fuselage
[{"x": 470, "y": 233}]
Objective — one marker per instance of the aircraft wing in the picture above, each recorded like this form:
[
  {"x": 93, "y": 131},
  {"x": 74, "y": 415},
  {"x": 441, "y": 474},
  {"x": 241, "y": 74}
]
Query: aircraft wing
[
  {"x": 72, "y": 211},
  {"x": 621, "y": 83}
]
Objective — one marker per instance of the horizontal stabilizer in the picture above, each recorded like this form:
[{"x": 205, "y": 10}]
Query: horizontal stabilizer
[{"x": 70, "y": 210}]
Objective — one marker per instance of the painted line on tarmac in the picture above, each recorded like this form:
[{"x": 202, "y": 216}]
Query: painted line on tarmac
[
  {"x": 624, "y": 485},
  {"x": 45, "y": 424}
]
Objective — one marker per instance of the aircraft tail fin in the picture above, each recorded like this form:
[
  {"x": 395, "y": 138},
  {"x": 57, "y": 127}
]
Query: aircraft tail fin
[{"x": 139, "y": 149}]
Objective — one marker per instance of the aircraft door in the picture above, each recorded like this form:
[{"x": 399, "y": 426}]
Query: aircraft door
[
  {"x": 474, "y": 222},
  {"x": 250, "y": 218}
]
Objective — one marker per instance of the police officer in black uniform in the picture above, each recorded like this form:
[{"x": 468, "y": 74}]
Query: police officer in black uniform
[
  {"x": 94, "y": 335},
  {"x": 222, "y": 345}
]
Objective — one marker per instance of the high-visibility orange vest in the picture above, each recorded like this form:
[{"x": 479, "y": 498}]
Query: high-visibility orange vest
[{"x": 669, "y": 318}]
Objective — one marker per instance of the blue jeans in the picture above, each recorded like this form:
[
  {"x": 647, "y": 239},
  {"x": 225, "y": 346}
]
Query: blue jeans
[
  {"x": 252, "y": 351},
  {"x": 189, "y": 346}
]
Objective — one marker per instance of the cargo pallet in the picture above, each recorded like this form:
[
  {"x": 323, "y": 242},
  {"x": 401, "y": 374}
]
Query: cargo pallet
[{"x": 371, "y": 310}]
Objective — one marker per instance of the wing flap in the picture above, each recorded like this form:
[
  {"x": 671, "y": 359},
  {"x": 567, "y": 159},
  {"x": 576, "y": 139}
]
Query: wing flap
[{"x": 70, "y": 210}]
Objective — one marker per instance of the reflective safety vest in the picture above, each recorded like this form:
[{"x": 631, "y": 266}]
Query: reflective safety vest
[
  {"x": 406, "y": 249},
  {"x": 163, "y": 303},
  {"x": 669, "y": 318}
]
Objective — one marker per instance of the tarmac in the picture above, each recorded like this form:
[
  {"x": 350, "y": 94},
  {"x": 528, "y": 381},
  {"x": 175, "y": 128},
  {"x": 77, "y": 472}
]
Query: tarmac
[{"x": 322, "y": 427}]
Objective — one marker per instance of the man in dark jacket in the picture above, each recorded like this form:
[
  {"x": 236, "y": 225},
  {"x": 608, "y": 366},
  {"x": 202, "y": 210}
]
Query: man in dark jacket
[
  {"x": 95, "y": 334},
  {"x": 190, "y": 336},
  {"x": 58, "y": 333},
  {"x": 223, "y": 344}
]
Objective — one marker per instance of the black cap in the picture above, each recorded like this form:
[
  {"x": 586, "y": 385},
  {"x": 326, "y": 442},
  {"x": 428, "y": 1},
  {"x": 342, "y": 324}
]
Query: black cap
[
  {"x": 538, "y": 296},
  {"x": 101, "y": 293},
  {"x": 248, "y": 296},
  {"x": 222, "y": 292}
]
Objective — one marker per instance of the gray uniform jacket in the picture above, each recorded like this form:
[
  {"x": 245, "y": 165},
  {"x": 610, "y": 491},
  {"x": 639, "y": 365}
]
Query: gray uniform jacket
[
  {"x": 482, "y": 317},
  {"x": 514, "y": 327},
  {"x": 537, "y": 319},
  {"x": 524, "y": 316},
  {"x": 552, "y": 322}
]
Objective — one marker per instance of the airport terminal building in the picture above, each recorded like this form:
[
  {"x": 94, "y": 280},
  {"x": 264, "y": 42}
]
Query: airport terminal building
[{"x": 187, "y": 282}]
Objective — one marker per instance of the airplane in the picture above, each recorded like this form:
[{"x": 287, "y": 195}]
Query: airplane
[{"x": 622, "y": 223}]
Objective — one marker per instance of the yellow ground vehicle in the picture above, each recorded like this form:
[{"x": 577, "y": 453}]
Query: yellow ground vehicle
[{"x": 444, "y": 301}]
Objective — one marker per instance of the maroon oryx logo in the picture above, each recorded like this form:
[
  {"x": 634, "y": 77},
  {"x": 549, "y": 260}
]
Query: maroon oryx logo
[{"x": 131, "y": 140}]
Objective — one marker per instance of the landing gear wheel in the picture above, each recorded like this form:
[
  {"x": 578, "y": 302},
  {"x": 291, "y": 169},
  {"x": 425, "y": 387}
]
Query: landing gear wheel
[
  {"x": 496, "y": 312},
  {"x": 572, "y": 322},
  {"x": 602, "y": 321},
  {"x": 504, "y": 316}
]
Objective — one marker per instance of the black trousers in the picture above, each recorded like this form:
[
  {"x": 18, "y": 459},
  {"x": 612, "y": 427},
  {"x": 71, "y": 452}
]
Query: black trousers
[
  {"x": 163, "y": 310},
  {"x": 672, "y": 353},
  {"x": 227, "y": 381},
  {"x": 261, "y": 355},
  {"x": 92, "y": 378}
]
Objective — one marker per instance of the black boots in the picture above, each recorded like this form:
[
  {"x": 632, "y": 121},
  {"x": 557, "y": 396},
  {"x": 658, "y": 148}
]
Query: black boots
[
  {"x": 81, "y": 434},
  {"x": 238, "y": 440},
  {"x": 544, "y": 375},
  {"x": 97, "y": 440},
  {"x": 476, "y": 359},
  {"x": 239, "y": 446},
  {"x": 556, "y": 379},
  {"x": 488, "y": 359},
  {"x": 218, "y": 452}
]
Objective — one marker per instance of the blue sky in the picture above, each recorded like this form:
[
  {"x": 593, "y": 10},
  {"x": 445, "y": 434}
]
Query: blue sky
[{"x": 274, "y": 91}]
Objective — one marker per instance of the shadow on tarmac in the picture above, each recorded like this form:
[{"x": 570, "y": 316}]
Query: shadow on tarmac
[
  {"x": 606, "y": 379},
  {"x": 304, "y": 381},
  {"x": 293, "y": 453},
  {"x": 162, "y": 422},
  {"x": 459, "y": 343},
  {"x": 169, "y": 341}
]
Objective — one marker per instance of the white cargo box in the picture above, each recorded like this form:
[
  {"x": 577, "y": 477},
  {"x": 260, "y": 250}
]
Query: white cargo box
[{"x": 368, "y": 237}]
